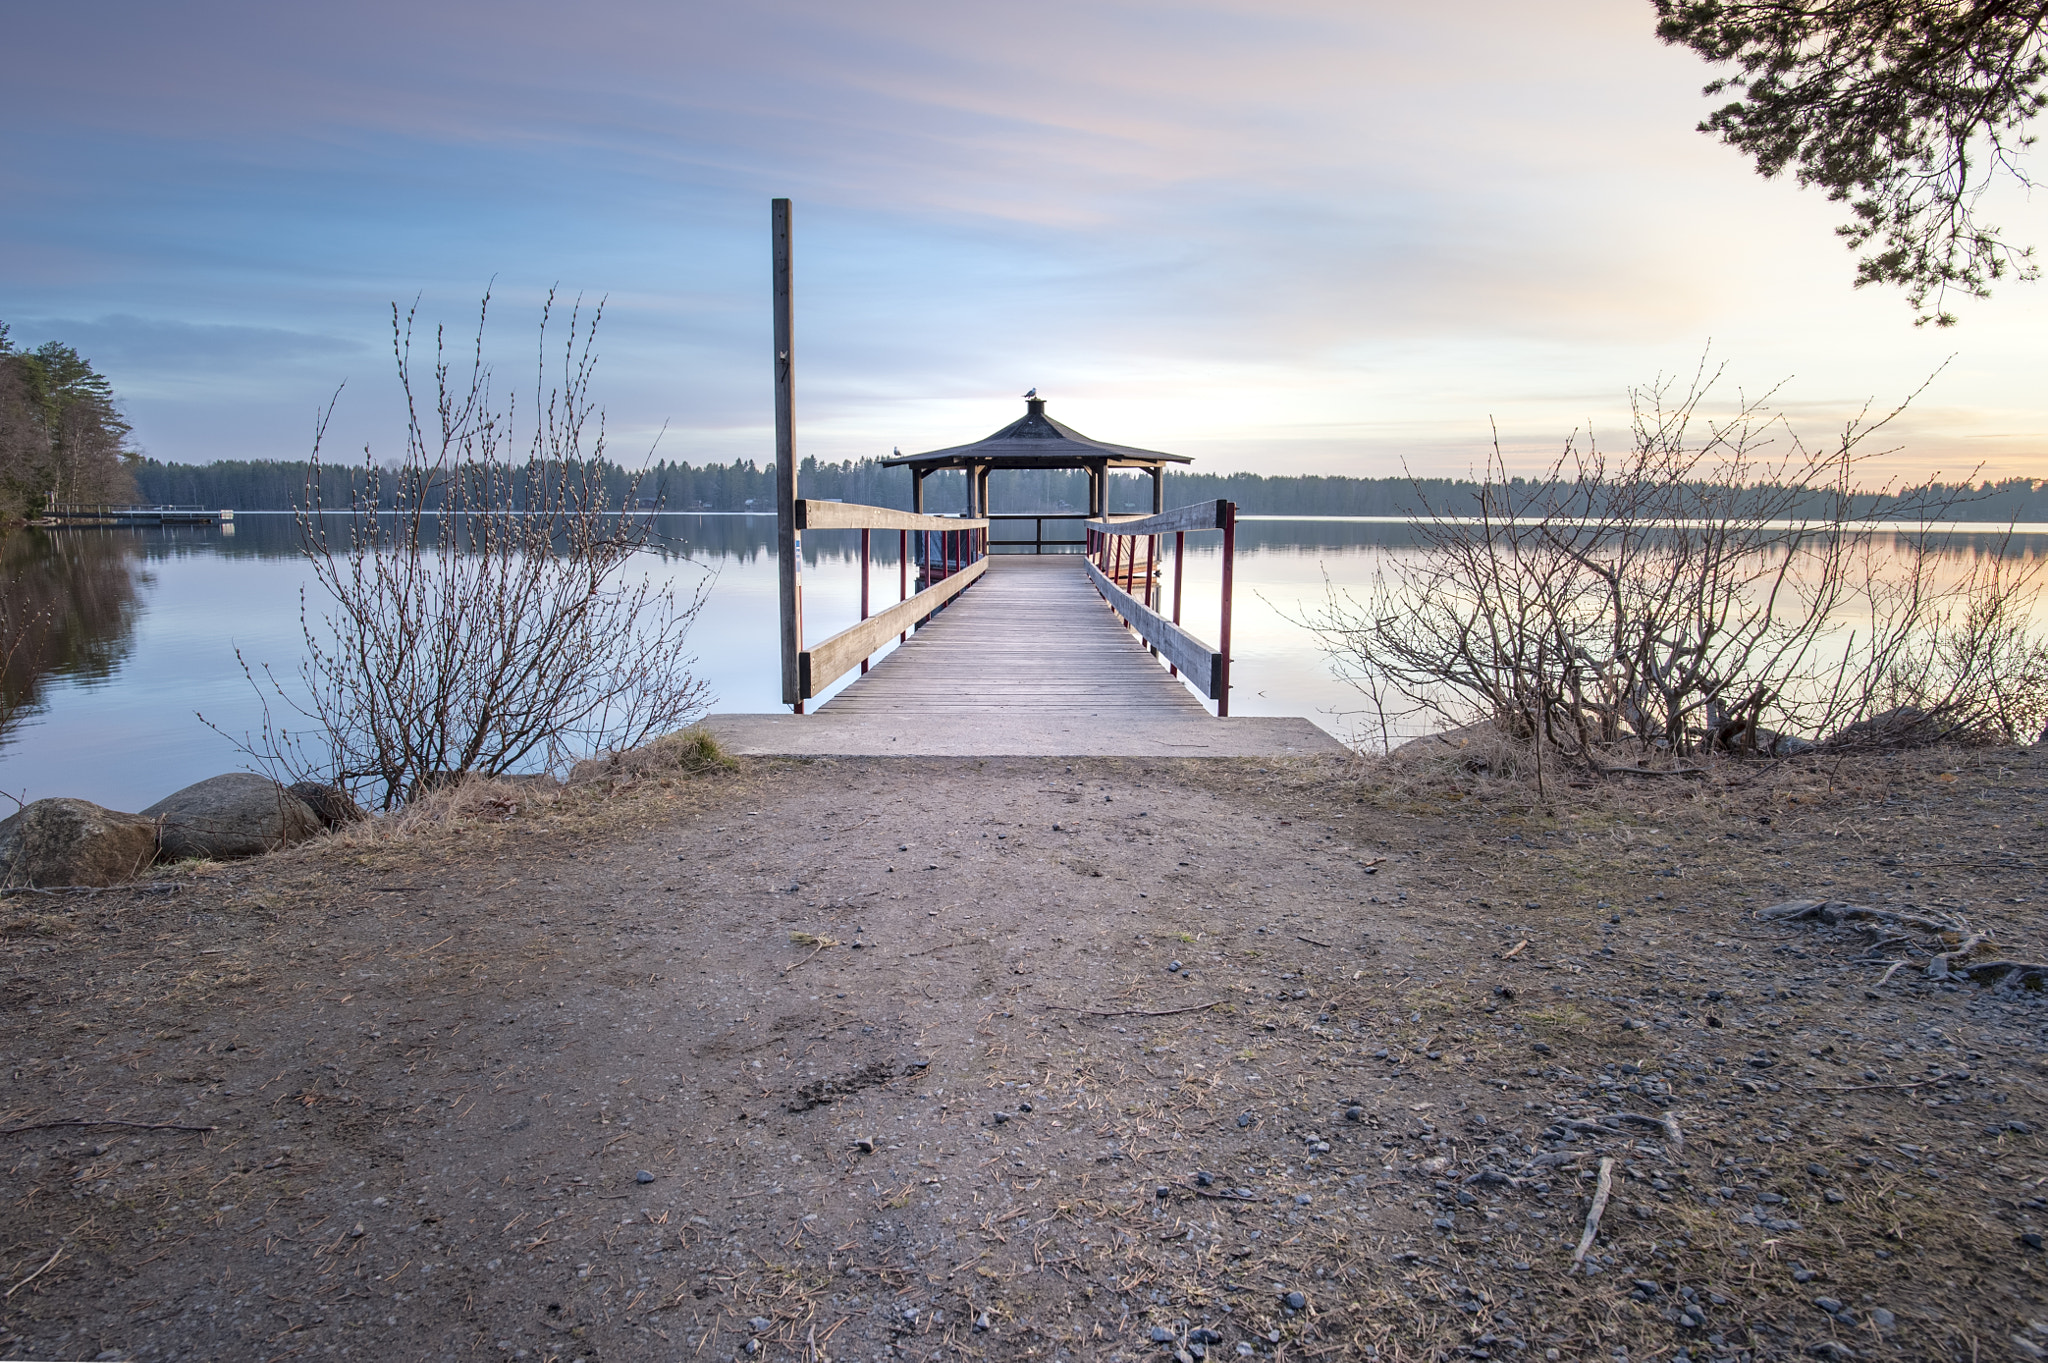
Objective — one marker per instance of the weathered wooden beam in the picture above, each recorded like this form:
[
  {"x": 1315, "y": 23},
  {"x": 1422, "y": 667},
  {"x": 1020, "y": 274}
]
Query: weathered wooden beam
[
  {"x": 1202, "y": 665},
  {"x": 816, "y": 515},
  {"x": 840, "y": 654},
  {"x": 1198, "y": 516}
]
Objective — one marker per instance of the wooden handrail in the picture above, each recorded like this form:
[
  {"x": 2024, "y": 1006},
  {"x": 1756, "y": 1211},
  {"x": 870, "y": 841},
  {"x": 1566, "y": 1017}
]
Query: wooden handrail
[
  {"x": 1208, "y": 668},
  {"x": 820, "y": 666},
  {"x": 1202, "y": 664},
  {"x": 812, "y": 514},
  {"x": 1195, "y": 516}
]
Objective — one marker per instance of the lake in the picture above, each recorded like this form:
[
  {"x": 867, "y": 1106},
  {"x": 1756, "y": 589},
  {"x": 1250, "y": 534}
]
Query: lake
[{"x": 149, "y": 623}]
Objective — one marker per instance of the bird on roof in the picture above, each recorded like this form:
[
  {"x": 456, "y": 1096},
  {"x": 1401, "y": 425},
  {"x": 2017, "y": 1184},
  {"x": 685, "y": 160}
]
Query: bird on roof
[
  {"x": 896, "y": 450},
  {"x": 1032, "y": 394}
]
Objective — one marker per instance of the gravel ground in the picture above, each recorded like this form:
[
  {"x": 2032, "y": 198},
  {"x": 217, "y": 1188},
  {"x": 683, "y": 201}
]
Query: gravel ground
[{"x": 1036, "y": 1058}]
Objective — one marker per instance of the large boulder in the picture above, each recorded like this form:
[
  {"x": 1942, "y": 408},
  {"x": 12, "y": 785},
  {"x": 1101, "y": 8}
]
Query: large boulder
[
  {"x": 332, "y": 805},
  {"x": 240, "y": 814},
  {"x": 74, "y": 842}
]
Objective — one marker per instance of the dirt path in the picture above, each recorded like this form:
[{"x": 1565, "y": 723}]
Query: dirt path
[{"x": 1103, "y": 1059}]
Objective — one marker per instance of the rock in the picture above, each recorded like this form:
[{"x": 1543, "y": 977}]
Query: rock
[
  {"x": 643, "y": 1177},
  {"x": 1204, "y": 1179},
  {"x": 1448, "y": 743},
  {"x": 331, "y": 805},
  {"x": 1903, "y": 727},
  {"x": 239, "y": 814},
  {"x": 61, "y": 841},
  {"x": 689, "y": 752},
  {"x": 759, "y": 1324},
  {"x": 1295, "y": 1301},
  {"x": 1882, "y": 1319}
]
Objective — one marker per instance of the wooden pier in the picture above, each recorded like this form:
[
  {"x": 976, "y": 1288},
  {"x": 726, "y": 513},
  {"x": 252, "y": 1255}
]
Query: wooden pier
[
  {"x": 1033, "y": 638},
  {"x": 1029, "y": 662},
  {"x": 1063, "y": 654}
]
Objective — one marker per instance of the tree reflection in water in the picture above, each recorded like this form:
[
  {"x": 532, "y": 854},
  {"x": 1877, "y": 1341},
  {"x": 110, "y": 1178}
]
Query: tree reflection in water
[{"x": 68, "y": 604}]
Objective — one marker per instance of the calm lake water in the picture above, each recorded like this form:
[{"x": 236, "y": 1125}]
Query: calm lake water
[{"x": 149, "y": 623}]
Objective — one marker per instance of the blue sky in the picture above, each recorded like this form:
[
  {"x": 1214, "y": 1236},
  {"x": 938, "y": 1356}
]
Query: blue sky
[{"x": 1283, "y": 237}]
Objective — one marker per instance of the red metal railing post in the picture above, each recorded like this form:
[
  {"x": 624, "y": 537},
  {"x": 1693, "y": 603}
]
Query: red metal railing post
[
  {"x": 1227, "y": 513},
  {"x": 1180, "y": 550},
  {"x": 866, "y": 549}
]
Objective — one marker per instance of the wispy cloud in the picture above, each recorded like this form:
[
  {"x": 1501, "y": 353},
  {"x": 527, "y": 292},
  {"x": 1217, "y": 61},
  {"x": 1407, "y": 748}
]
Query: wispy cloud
[{"x": 1301, "y": 232}]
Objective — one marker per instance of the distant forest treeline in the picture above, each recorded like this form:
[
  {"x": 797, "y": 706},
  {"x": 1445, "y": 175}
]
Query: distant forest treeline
[{"x": 280, "y": 485}]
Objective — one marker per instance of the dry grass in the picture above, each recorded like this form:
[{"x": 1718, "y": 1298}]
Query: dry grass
[{"x": 1356, "y": 953}]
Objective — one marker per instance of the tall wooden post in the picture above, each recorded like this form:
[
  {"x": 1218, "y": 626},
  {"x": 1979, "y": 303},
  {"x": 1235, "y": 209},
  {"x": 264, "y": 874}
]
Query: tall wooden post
[{"x": 789, "y": 546}]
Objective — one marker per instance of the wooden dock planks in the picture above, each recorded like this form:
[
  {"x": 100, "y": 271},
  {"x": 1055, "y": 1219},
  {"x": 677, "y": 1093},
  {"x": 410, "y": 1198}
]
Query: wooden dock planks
[{"x": 1033, "y": 636}]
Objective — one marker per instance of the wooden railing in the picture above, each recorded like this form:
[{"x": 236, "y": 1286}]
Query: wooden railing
[
  {"x": 1116, "y": 549},
  {"x": 1038, "y": 543},
  {"x": 951, "y": 553}
]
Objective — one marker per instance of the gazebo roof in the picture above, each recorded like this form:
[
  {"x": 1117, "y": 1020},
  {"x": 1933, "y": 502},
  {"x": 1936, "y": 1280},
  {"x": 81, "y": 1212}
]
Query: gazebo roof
[{"x": 1036, "y": 441}]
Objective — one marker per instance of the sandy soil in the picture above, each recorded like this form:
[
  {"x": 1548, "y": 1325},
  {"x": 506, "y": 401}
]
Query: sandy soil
[{"x": 1039, "y": 1058}]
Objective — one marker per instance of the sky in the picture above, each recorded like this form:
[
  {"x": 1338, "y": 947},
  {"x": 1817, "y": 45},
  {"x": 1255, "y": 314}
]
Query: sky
[{"x": 1282, "y": 236}]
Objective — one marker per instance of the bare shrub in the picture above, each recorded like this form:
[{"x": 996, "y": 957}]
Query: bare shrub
[
  {"x": 1944, "y": 661},
  {"x": 1706, "y": 591},
  {"x": 487, "y": 623}
]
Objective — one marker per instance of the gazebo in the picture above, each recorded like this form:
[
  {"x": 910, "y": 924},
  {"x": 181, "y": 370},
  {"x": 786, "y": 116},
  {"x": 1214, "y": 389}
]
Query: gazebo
[{"x": 1036, "y": 441}]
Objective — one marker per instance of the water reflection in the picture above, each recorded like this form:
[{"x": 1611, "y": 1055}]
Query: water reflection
[
  {"x": 68, "y": 605},
  {"x": 126, "y": 633}
]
